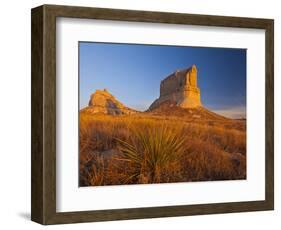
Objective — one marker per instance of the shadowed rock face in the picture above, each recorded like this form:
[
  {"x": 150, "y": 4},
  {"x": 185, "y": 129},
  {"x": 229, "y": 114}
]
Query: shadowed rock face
[
  {"x": 180, "y": 87},
  {"x": 103, "y": 102}
]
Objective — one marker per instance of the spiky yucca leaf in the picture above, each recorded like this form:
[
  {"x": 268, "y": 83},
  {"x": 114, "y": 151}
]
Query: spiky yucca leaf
[{"x": 151, "y": 150}]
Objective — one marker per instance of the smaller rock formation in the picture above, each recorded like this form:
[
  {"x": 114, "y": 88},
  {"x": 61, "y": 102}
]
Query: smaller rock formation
[
  {"x": 105, "y": 103},
  {"x": 180, "y": 87}
]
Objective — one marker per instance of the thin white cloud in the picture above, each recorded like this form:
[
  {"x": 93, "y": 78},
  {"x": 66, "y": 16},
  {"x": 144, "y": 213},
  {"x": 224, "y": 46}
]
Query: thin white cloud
[{"x": 234, "y": 112}]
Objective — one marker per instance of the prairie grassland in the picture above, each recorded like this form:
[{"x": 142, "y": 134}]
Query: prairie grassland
[{"x": 141, "y": 148}]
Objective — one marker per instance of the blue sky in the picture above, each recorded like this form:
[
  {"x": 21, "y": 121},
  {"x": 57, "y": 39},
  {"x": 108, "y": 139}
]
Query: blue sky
[{"x": 132, "y": 73}]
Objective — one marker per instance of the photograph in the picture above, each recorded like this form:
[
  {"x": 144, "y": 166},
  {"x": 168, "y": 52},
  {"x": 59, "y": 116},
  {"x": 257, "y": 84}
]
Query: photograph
[
  {"x": 139, "y": 114},
  {"x": 161, "y": 114}
]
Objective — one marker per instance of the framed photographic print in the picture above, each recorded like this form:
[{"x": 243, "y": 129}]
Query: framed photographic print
[{"x": 141, "y": 114}]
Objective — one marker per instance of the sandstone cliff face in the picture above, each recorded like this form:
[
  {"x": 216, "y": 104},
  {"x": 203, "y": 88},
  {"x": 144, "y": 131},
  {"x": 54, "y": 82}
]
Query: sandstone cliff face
[
  {"x": 105, "y": 103},
  {"x": 180, "y": 87}
]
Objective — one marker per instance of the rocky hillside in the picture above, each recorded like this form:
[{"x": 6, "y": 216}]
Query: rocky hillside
[
  {"x": 105, "y": 103},
  {"x": 169, "y": 108}
]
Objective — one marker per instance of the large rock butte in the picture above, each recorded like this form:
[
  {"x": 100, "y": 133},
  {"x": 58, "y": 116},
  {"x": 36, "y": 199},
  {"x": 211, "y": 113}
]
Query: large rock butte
[
  {"x": 103, "y": 102},
  {"x": 181, "y": 88}
]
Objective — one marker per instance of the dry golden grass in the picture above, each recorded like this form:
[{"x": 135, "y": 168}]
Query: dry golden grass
[{"x": 143, "y": 148}]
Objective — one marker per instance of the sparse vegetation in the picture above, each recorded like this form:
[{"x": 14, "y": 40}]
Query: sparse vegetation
[{"x": 146, "y": 148}]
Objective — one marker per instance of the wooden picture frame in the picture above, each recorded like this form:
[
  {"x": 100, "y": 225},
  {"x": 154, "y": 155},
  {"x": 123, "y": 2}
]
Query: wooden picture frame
[{"x": 43, "y": 208}]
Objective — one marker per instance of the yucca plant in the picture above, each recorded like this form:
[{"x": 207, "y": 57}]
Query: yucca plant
[{"x": 150, "y": 151}]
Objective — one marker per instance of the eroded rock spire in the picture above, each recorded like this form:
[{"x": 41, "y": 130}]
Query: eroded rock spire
[{"x": 181, "y": 88}]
